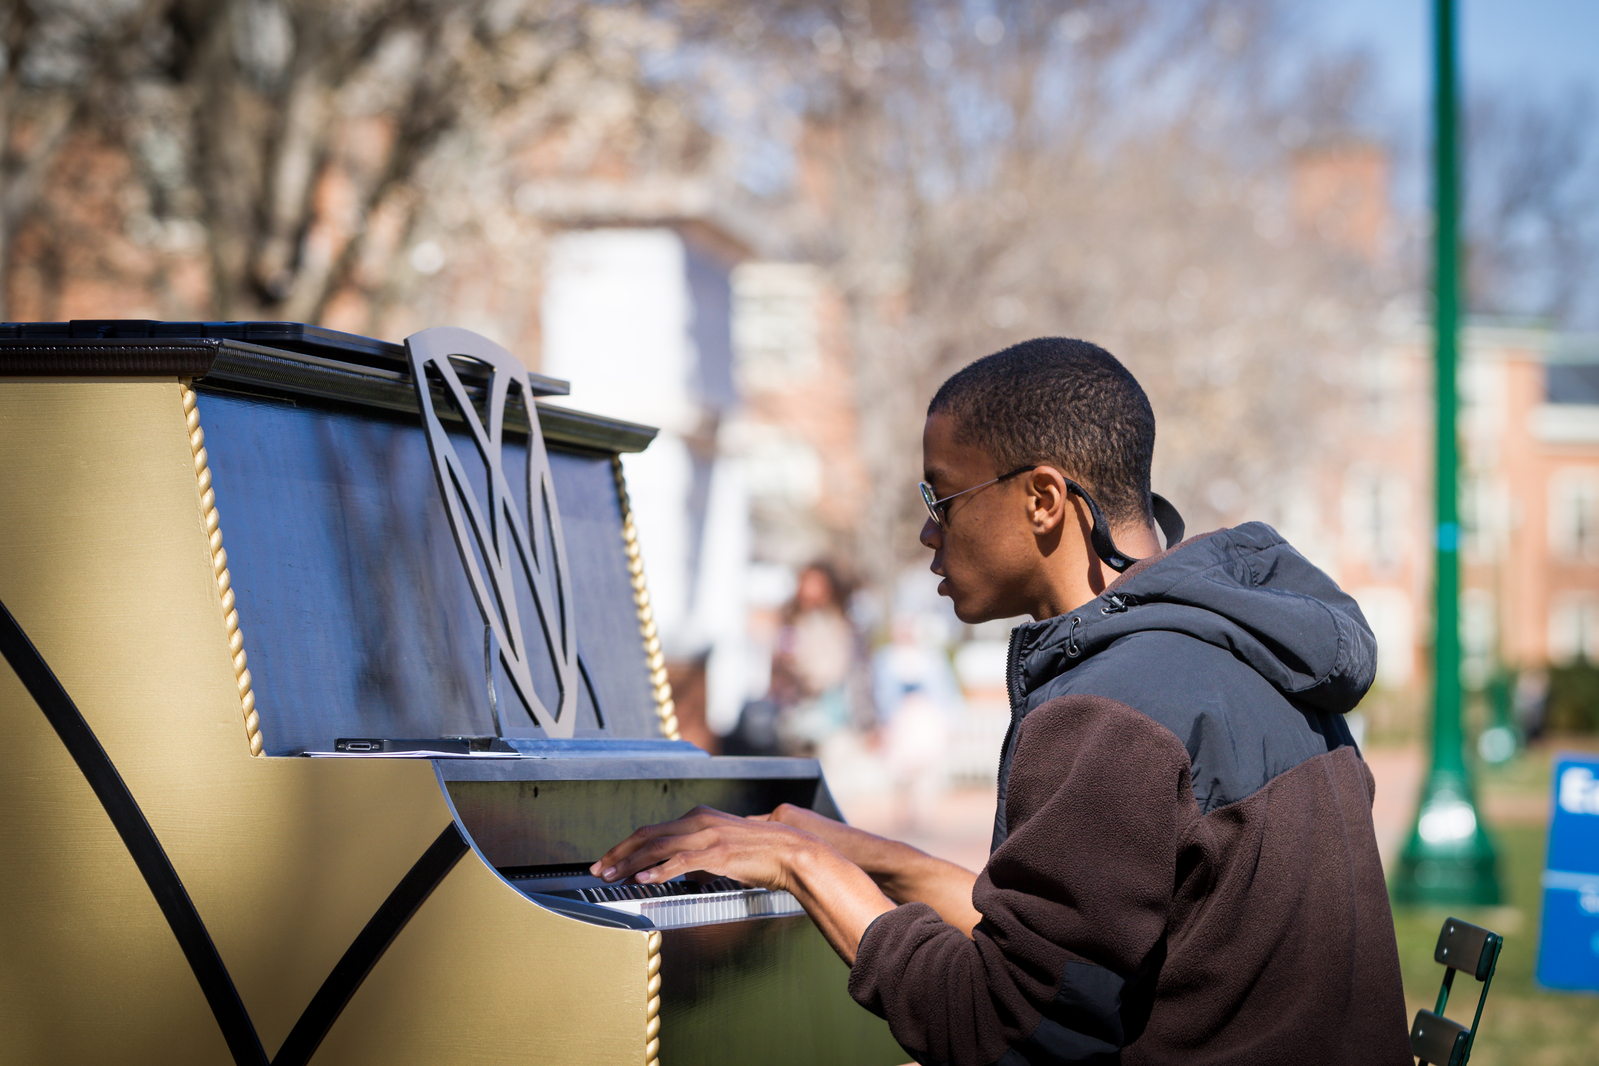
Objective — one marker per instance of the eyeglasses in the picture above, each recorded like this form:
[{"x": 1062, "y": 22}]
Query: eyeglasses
[
  {"x": 938, "y": 509},
  {"x": 1166, "y": 516}
]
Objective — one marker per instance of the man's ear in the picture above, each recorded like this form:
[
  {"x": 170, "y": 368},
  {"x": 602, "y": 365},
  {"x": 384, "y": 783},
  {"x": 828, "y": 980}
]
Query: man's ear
[{"x": 1048, "y": 502}]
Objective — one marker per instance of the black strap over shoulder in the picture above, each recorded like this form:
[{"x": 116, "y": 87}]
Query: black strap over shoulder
[
  {"x": 1166, "y": 516},
  {"x": 1171, "y": 523}
]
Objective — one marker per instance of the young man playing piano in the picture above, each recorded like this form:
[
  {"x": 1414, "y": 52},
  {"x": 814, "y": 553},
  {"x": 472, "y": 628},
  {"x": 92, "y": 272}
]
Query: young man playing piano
[{"x": 1184, "y": 867}]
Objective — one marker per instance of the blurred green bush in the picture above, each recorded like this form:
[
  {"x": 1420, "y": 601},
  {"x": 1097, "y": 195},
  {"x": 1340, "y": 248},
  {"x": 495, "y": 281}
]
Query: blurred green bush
[{"x": 1573, "y": 702}]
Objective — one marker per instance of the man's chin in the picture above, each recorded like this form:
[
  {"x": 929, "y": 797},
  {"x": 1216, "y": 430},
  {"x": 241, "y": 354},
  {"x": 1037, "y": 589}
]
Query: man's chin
[
  {"x": 967, "y": 611},
  {"x": 966, "y": 607}
]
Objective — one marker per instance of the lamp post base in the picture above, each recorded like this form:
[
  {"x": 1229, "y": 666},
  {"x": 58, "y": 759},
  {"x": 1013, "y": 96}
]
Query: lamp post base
[{"x": 1449, "y": 859}]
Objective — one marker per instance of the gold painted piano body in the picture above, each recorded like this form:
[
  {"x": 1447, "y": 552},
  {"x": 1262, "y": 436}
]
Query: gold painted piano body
[{"x": 186, "y": 881}]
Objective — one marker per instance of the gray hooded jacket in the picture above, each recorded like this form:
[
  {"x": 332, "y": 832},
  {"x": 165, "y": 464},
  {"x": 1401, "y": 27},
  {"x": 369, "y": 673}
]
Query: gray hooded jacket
[
  {"x": 1237, "y": 644},
  {"x": 1184, "y": 867}
]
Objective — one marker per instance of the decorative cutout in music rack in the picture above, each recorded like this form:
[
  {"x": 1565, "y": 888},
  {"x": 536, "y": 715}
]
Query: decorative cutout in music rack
[{"x": 502, "y": 546}]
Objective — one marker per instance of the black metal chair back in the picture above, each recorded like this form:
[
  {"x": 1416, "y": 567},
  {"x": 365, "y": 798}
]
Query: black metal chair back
[{"x": 1435, "y": 1039}]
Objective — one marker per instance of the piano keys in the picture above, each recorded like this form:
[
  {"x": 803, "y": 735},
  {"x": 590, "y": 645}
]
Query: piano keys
[
  {"x": 322, "y": 690},
  {"x": 672, "y": 904}
]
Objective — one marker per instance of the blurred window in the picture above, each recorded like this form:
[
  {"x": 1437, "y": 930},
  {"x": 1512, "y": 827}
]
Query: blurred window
[
  {"x": 1572, "y": 384},
  {"x": 783, "y": 470},
  {"x": 775, "y": 334},
  {"x": 1574, "y": 514},
  {"x": 1392, "y": 618},
  {"x": 1478, "y": 636},
  {"x": 1376, "y": 512},
  {"x": 1381, "y": 388},
  {"x": 1482, "y": 518},
  {"x": 1574, "y": 627}
]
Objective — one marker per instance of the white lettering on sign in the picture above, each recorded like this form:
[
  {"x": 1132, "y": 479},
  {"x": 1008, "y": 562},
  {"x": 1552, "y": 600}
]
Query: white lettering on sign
[{"x": 1579, "y": 791}]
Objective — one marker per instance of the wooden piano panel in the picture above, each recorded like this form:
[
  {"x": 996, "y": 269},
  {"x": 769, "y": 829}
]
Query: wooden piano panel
[{"x": 104, "y": 562}]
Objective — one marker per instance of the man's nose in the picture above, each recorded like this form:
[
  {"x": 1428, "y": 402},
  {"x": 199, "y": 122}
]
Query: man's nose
[{"x": 932, "y": 536}]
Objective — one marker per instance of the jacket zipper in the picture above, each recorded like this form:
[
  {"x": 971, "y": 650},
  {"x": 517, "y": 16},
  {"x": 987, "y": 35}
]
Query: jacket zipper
[{"x": 1013, "y": 666}]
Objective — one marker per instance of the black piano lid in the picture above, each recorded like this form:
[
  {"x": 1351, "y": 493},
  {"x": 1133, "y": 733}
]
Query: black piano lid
[
  {"x": 289, "y": 359},
  {"x": 298, "y": 337}
]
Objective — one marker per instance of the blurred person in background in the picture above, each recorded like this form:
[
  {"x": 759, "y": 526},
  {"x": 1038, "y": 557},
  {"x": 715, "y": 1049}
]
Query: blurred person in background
[
  {"x": 918, "y": 702},
  {"x": 816, "y": 690}
]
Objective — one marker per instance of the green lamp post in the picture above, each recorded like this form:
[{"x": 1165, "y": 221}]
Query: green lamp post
[{"x": 1448, "y": 859}]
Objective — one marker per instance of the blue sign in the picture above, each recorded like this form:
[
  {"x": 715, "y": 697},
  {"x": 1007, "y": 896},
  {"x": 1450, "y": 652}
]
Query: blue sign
[{"x": 1568, "y": 951}]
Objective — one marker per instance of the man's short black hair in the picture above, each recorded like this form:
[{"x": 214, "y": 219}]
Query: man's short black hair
[{"x": 1067, "y": 403}]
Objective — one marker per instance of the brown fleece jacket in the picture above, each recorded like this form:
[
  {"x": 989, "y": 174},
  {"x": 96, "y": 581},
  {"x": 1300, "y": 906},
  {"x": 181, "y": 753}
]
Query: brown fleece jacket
[{"x": 1116, "y": 916}]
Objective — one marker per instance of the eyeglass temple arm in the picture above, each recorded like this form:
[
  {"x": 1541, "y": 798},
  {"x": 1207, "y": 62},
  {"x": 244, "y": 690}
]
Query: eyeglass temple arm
[{"x": 1166, "y": 516}]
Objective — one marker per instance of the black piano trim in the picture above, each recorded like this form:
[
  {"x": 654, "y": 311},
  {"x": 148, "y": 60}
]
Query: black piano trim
[
  {"x": 173, "y": 899},
  {"x": 296, "y": 370},
  {"x": 365, "y": 950},
  {"x": 177, "y": 357}
]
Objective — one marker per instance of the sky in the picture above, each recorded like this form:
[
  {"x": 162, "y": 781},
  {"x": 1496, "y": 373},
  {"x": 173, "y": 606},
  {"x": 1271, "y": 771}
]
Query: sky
[
  {"x": 1547, "y": 45},
  {"x": 1530, "y": 48}
]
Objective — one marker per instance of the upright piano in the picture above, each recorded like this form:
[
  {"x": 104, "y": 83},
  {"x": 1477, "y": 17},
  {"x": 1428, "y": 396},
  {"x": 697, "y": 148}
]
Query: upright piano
[{"x": 328, "y": 668}]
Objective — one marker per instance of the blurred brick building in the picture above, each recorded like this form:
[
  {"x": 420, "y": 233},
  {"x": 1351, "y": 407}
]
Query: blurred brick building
[
  {"x": 1529, "y": 501},
  {"x": 1529, "y": 490}
]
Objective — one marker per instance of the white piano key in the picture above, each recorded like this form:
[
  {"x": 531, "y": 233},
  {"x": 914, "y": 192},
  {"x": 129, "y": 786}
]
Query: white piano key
[{"x": 672, "y": 912}]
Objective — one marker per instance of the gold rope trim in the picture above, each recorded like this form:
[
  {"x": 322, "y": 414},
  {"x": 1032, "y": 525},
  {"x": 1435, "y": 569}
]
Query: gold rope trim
[
  {"x": 656, "y": 661},
  {"x": 652, "y": 1011},
  {"x": 219, "y": 564}
]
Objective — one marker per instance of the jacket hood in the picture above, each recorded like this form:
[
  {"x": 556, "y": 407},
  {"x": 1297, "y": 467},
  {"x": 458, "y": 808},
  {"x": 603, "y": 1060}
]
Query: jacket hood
[{"x": 1243, "y": 589}]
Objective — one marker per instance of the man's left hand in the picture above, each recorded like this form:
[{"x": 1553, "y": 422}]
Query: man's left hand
[{"x": 838, "y": 895}]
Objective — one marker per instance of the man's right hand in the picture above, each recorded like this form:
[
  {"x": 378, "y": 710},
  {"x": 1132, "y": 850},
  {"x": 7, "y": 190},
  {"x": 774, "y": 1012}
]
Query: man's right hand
[{"x": 905, "y": 874}]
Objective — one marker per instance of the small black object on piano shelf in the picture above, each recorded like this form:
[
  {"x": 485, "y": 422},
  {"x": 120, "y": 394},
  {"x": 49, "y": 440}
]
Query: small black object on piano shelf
[{"x": 440, "y": 745}]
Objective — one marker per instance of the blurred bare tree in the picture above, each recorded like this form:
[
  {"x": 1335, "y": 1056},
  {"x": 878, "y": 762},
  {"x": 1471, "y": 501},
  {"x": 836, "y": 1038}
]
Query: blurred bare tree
[
  {"x": 1119, "y": 171},
  {"x": 1532, "y": 200},
  {"x": 257, "y": 158},
  {"x": 1128, "y": 171}
]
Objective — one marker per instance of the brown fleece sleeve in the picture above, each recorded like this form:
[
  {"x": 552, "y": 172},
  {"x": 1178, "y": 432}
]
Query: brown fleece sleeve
[{"x": 1074, "y": 903}]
